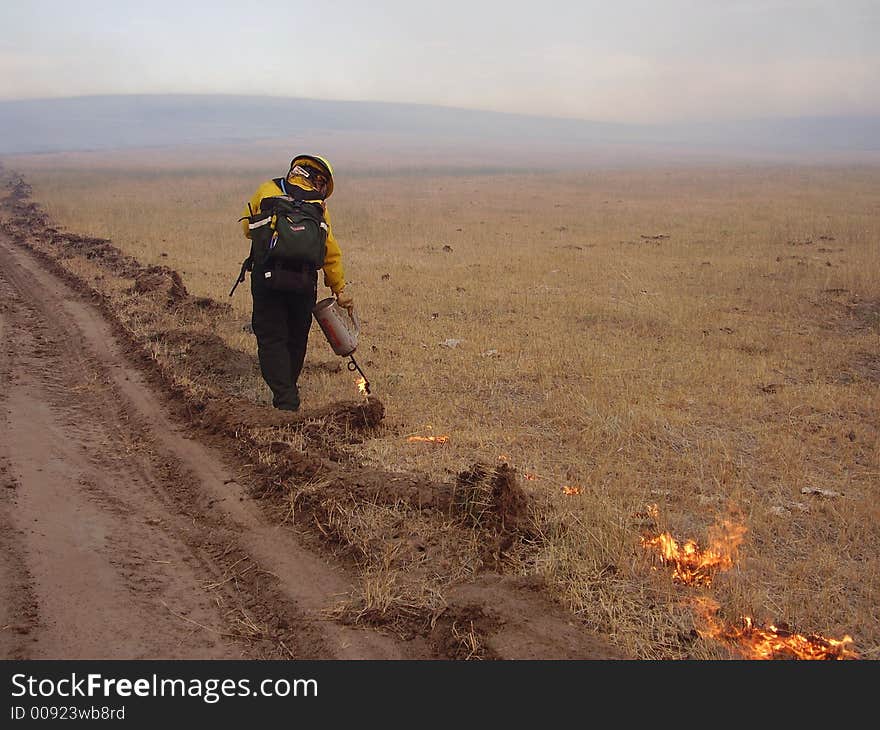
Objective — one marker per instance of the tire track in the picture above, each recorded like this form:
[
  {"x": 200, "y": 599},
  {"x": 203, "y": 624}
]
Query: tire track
[{"x": 137, "y": 540}]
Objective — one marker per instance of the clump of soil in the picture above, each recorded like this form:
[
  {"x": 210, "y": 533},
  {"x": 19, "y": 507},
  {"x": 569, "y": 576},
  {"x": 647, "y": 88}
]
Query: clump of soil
[
  {"x": 460, "y": 631},
  {"x": 491, "y": 498},
  {"x": 160, "y": 279},
  {"x": 206, "y": 354},
  {"x": 229, "y": 415},
  {"x": 513, "y": 618},
  {"x": 95, "y": 249}
]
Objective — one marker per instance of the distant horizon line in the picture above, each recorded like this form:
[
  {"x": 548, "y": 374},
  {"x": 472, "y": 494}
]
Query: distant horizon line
[{"x": 423, "y": 105}]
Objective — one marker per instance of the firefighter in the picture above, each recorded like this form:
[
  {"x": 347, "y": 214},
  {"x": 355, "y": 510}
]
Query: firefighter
[{"x": 282, "y": 316}]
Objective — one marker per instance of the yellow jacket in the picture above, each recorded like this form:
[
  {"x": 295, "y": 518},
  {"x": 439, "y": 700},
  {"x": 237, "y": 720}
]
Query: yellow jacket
[{"x": 334, "y": 275}]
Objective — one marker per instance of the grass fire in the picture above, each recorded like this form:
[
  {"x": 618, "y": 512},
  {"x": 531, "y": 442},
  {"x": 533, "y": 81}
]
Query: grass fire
[
  {"x": 695, "y": 565},
  {"x": 753, "y": 641}
]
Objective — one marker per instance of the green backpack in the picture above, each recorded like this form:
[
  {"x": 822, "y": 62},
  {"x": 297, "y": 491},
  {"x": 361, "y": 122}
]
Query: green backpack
[{"x": 290, "y": 230}]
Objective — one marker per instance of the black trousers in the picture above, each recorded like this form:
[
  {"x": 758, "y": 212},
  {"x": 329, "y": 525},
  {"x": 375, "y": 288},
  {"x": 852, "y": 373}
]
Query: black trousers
[{"x": 281, "y": 321}]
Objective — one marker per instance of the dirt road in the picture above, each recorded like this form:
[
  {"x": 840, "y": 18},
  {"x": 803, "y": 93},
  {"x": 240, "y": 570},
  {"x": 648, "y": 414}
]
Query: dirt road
[{"x": 120, "y": 535}]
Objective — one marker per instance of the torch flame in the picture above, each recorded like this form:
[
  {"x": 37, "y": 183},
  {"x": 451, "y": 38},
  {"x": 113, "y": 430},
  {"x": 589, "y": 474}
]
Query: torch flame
[
  {"x": 690, "y": 564},
  {"x": 362, "y": 386},
  {"x": 771, "y": 642},
  {"x": 429, "y": 439}
]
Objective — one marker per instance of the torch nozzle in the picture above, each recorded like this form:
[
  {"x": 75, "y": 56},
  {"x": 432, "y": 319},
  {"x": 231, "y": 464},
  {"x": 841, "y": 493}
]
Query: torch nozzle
[{"x": 352, "y": 365}]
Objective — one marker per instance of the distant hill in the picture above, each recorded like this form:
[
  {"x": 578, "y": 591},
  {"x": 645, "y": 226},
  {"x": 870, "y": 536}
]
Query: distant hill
[{"x": 119, "y": 122}]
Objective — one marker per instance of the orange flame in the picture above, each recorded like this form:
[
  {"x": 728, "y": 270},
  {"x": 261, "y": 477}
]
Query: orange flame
[
  {"x": 571, "y": 490},
  {"x": 690, "y": 564},
  {"x": 429, "y": 439},
  {"x": 530, "y": 477},
  {"x": 772, "y": 642},
  {"x": 362, "y": 386}
]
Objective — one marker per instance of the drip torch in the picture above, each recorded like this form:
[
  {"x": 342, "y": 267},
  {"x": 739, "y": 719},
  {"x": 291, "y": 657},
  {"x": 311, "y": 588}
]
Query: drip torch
[{"x": 341, "y": 331}]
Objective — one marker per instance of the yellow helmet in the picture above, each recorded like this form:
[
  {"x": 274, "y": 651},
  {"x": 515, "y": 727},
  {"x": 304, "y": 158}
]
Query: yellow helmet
[{"x": 320, "y": 163}]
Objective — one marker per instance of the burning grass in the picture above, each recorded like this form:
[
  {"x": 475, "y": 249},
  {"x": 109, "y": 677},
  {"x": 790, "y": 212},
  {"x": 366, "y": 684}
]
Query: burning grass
[
  {"x": 700, "y": 365},
  {"x": 692, "y": 564},
  {"x": 753, "y": 641}
]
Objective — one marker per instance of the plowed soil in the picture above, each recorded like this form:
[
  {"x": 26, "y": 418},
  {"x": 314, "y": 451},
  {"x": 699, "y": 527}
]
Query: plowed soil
[
  {"x": 123, "y": 537},
  {"x": 130, "y": 530}
]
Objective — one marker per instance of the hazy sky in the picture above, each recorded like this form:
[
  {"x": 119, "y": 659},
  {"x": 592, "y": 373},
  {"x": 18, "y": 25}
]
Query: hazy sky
[{"x": 614, "y": 60}]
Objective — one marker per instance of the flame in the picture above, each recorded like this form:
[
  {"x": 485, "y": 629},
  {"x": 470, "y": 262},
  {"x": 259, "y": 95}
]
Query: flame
[
  {"x": 571, "y": 490},
  {"x": 429, "y": 439},
  {"x": 530, "y": 477},
  {"x": 692, "y": 565},
  {"x": 771, "y": 642},
  {"x": 362, "y": 386}
]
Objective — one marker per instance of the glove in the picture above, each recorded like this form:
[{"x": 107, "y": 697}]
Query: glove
[{"x": 345, "y": 300}]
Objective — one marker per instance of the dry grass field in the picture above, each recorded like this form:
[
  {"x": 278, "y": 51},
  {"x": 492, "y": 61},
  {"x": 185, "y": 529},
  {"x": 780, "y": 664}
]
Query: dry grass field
[{"x": 689, "y": 350}]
